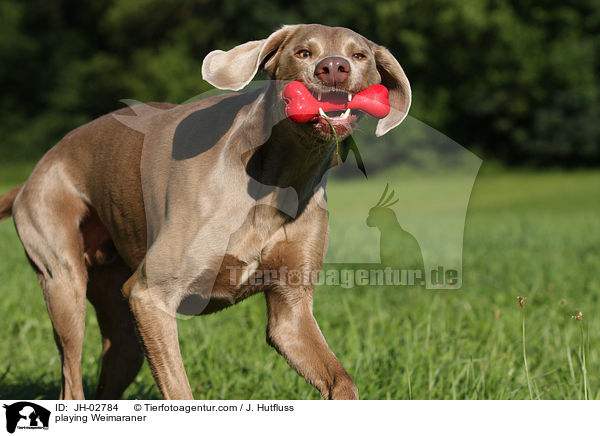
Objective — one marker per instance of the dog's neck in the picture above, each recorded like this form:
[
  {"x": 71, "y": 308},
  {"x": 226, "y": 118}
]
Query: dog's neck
[{"x": 287, "y": 155}]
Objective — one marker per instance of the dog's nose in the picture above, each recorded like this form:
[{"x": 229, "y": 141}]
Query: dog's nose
[{"x": 332, "y": 70}]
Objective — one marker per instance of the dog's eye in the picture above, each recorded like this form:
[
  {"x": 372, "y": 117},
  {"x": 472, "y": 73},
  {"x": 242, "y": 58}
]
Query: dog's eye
[
  {"x": 358, "y": 56},
  {"x": 303, "y": 53}
]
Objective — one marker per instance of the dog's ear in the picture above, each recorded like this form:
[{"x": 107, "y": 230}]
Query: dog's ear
[
  {"x": 235, "y": 68},
  {"x": 394, "y": 79}
]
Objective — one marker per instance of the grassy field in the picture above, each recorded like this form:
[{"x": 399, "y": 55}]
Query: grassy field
[{"x": 531, "y": 234}]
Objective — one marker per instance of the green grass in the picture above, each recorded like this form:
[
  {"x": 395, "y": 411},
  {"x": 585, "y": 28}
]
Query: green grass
[{"x": 531, "y": 234}]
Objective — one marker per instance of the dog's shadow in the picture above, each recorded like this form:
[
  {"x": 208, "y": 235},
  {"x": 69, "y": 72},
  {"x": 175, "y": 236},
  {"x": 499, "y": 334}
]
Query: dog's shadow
[
  {"x": 32, "y": 389},
  {"x": 40, "y": 389}
]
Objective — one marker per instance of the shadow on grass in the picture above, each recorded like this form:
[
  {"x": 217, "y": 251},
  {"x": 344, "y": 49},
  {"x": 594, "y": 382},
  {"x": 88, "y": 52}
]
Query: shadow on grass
[
  {"x": 39, "y": 389},
  {"x": 28, "y": 389}
]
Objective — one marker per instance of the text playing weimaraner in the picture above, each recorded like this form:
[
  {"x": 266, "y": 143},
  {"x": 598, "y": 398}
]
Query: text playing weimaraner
[{"x": 141, "y": 219}]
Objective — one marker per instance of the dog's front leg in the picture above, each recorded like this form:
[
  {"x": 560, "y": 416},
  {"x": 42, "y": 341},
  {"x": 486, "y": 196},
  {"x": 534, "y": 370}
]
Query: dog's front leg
[
  {"x": 157, "y": 326},
  {"x": 293, "y": 331}
]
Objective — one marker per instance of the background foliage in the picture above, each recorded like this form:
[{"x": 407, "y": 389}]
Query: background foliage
[{"x": 516, "y": 80}]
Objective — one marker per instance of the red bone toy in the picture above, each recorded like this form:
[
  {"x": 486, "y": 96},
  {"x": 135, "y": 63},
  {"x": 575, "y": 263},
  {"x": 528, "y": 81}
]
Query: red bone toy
[{"x": 302, "y": 107}]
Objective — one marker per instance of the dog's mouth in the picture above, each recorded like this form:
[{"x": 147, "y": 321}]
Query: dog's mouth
[
  {"x": 333, "y": 112},
  {"x": 343, "y": 121}
]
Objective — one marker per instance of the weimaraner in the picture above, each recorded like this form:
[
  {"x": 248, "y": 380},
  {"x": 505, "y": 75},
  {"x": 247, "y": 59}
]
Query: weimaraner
[{"x": 97, "y": 218}]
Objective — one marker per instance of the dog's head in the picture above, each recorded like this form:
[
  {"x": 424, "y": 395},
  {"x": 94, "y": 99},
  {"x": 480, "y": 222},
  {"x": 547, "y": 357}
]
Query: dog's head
[{"x": 334, "y": 63}]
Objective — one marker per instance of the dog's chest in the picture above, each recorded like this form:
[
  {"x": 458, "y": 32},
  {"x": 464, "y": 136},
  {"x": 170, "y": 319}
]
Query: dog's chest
[{"x": 248, "y": 257}]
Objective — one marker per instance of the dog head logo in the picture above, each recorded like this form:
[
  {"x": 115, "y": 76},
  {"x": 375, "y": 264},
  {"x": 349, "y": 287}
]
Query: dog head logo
[{"x": 26, "y": 415}]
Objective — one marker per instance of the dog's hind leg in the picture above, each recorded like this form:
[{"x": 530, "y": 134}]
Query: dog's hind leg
[
  {"x": 47, "y": 216},
  {"x": 122, "y": 355}
]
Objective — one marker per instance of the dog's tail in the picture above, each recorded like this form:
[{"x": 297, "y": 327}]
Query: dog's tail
[{"x": 7, "y": 200}]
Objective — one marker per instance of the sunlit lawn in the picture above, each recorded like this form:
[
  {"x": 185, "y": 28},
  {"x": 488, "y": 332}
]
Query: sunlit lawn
[{"x": 531, "y": 234}]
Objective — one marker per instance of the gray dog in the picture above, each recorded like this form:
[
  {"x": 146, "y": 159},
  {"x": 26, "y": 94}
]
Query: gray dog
[{"x": 141, "y": 219}]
